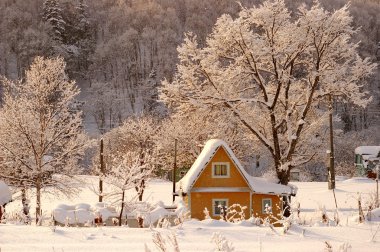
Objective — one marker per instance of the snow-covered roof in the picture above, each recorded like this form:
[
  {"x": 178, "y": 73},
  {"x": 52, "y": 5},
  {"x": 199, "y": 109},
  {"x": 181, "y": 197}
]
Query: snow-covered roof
[
  {"x": 261, "y": 185},
  {"x": 258, "y": 185},
  {"x": 368, "y": 150},
  {"x": 5, "y": 193}
]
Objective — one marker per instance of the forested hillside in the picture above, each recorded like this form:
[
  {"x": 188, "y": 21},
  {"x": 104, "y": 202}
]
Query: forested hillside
[{"x": 119, "y": 51}]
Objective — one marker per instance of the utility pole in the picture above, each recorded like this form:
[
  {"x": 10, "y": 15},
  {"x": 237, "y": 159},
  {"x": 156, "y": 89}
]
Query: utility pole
[
  {"x": 331, "y": 170},
  {"x": 101, "y": 172},
  {"x": 377, "y": 184},
  {"x": 175, "y": 167}
]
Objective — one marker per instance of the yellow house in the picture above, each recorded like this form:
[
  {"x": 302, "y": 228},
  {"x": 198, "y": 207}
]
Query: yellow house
[{"x": 217, "y": 180}]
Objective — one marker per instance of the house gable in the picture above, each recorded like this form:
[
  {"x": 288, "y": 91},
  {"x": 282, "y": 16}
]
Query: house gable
[
  {"x": 200, "y": 178},
  {"x": 234, "y": 178}
]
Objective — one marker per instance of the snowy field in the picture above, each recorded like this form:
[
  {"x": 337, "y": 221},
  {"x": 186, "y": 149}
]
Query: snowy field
[{"x": 196, "y": 235}]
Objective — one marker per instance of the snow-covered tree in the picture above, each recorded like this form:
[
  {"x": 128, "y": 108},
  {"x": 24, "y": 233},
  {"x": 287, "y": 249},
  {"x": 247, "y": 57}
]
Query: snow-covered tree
[
  {"x": 83, "y": 22},
  {"x": 136, "y": 136},
  {"x": 192, "y": 131},
  {"x": 41, "y": 135},
  {"x": 273, "y": 73},
  {"x": 52, "y": 15},
  {"x": 125, "y": 171},
  {"x": 105, "y": 107}
]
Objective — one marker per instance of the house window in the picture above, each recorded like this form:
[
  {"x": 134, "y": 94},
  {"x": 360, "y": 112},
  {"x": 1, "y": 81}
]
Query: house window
[
  {"x": 218, "y": 205},
  {"x": 267, "y": 206},
  {"x": 358, "y": 159},
  {"x": 182, "y": 174},
  {"x": 221, "y": 170}
]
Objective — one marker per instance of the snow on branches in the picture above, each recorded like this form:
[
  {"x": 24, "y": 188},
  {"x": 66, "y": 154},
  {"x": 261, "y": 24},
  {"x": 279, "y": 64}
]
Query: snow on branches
[
  {"x": 41, "y": 136},
  {"x": 132, "y": 142},
  {"x": 128, "y": 171},
  {"x": 273, "y": 73}
]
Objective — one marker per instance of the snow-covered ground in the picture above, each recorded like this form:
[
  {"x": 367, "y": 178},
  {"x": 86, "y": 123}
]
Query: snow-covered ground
[{"x": 196, "y": 235}]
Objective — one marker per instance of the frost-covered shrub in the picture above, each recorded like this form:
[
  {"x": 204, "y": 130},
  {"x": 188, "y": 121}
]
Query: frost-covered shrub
[
  {"x": 221, "y": 243},
  {"x": 206, "y": 213},
  {"x": 163, "y": 223},
  {"x": 163, "y": 244},
  {"x": 182, "y": 212},
  {"x": 233, "y": 213},
  {"x": 15, "y": 217},
  {"x": 322, "y": 215},
  {"x": 345, "y": 247},
  {"x": 370, "y": 204}
]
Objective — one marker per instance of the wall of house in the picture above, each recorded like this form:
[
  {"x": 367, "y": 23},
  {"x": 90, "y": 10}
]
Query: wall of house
[
  {"x": 206, "y": 179},
  {"x": 202, "y": 200},
  {"x": 257, "y": 205}
]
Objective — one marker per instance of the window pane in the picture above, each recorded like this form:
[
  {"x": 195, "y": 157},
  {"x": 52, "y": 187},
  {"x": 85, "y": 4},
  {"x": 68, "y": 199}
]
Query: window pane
[
  {"x": 224, "y": 170},
  {"x": 267, "y": 206},
  {"x": 220, "y": 170},
  {"x": 216, "y": 208},
  {"x": 218, "y": 204}
]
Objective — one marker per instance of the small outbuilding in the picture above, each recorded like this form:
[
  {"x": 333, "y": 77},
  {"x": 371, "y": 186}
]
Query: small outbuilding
[
  {"x": 366, "y": 158},
  {"x": 217, "y": 180}
]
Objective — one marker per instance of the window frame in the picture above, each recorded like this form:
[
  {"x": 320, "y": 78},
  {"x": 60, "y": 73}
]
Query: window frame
[
  {"x": 213, "y": 206},
  {"x": 263, "y": 205},
  {"x": 221, "y": 176}
]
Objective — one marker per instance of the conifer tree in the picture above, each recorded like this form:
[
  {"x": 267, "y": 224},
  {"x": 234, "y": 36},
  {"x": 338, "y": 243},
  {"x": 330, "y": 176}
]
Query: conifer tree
[{"x": 52, "y": 15}]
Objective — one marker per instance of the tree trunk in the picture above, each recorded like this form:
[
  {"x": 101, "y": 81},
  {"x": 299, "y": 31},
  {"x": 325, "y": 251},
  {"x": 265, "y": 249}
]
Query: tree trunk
[
  {"x": 283, "y": 176},
  {"x": 2, "y": 211},
  {"x": 25, "y": 205},
  {"x": 140, "y": 189},
  {"x": 122, "y": 207},
  {"x": 38, "y": 200}
]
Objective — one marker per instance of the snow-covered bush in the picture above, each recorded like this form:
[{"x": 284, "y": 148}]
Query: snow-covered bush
[
  {"x": 221, "y": 243},
  {"x": 73, "y": 215},
  {"x": 15, "y": 217},
  {"x": 182, "y": 212},
  {"x": 233, "y": 213},
  {"x": 206, "y": 213}
]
